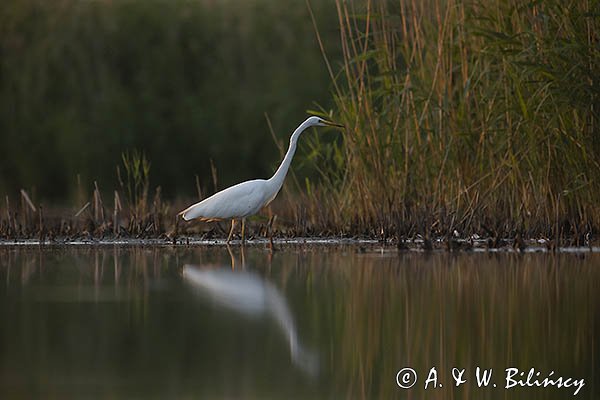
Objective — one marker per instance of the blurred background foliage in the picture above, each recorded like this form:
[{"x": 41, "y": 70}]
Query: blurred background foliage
[{"x": 81, "y": 82}]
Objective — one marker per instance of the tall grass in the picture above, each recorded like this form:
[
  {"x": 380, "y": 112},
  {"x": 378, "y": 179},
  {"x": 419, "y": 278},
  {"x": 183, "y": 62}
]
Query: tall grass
[
  {"x": 132, "y": 210},
  {"x": 475, "y": 116}
]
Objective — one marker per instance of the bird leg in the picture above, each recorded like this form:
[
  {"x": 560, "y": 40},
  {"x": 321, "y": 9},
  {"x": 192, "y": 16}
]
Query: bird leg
[
  {"x": 270, "y": 232},
  {"x": 243, "y": 230},
  {"x": 231, "y": 231},
  {"x": 232, "y": 257}
]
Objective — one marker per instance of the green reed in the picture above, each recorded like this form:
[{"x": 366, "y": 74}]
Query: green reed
[{"x": 475, "y": 116}]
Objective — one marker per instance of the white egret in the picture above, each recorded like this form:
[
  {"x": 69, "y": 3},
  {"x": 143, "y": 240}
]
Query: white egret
[{"x": 247, "y": 198}]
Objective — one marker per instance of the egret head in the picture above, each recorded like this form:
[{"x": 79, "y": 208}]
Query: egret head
[{"x": 317, "y": 121}]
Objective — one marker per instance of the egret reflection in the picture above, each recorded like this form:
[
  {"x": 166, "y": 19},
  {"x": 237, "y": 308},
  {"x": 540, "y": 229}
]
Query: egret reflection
[{"x": 247, "y": 293}]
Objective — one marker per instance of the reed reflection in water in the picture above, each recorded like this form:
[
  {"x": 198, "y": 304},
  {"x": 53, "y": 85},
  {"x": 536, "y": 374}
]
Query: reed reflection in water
[{"x": 315, "y": 322}]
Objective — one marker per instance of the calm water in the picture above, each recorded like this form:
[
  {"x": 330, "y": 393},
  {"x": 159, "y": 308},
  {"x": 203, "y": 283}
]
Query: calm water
[{"x": 305, "y": 323}]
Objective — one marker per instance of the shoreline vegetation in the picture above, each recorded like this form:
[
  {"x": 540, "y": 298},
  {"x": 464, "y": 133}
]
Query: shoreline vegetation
[
  {"x": 150, "y": 222},
  {"x": 462, "y": 120},
  {"x": 468, "y": 116}
]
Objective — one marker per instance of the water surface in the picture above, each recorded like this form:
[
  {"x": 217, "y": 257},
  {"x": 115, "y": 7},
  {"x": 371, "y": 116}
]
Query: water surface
[{"x": 305, "y": 322}]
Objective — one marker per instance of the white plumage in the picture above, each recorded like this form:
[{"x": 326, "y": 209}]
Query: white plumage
[{"x": 248, "y": 198}]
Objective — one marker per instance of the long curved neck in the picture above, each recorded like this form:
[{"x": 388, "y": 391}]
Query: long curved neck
[{"x": 279, "y": 176}]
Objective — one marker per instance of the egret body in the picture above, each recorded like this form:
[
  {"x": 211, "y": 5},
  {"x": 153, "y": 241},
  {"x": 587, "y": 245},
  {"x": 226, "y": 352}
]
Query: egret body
[{"x": 248, "y": 198}]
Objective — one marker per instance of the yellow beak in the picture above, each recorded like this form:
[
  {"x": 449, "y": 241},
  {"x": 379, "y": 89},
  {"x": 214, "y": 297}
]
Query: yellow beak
[{"x": 329, "y": 123}]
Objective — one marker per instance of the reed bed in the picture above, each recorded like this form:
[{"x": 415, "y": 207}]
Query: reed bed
[
  {"x": 132, "y": 211},
  {"x": 475, "y": 117}
]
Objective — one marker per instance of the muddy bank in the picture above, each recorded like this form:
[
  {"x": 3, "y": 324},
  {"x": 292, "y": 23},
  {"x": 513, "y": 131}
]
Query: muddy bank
[{"x": 358, "y": 245}]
